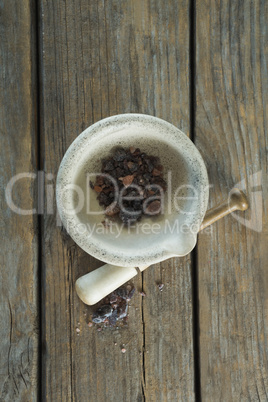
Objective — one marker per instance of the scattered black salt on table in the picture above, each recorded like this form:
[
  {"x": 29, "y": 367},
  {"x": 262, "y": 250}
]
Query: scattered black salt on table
[{"x": 113, "y": 308}]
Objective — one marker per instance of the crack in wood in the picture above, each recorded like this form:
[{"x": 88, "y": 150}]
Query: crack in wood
[{"x": 143, "y": 382}]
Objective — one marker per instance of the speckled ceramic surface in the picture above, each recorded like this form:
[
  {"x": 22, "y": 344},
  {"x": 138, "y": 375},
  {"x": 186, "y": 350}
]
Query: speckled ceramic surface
[{"x": 183, "y": 166}]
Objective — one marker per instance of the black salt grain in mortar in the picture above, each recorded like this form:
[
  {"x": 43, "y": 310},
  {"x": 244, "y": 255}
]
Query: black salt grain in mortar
[{"x": 140, "y": 178}]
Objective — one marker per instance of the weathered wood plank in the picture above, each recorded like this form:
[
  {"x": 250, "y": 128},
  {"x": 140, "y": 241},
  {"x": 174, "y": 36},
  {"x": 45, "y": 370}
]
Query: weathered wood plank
[
  {"x": 18, "y": 233},
  {"x": 98, "y": 59},
  {"x": 231, "y": 132},
  {"x": 168, "y": 357},
  {"x": 80, "y": 70}
]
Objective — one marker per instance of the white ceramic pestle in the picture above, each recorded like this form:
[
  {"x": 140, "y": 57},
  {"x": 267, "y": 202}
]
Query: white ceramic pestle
[{"x": 97, "y": 284}]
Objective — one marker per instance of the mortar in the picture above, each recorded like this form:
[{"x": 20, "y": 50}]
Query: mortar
[{"x": 184, "y": 208}]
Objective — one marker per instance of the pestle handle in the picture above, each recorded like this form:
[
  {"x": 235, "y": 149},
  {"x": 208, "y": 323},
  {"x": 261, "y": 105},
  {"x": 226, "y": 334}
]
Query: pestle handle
[
  {"x": 97, "y": 284},
  {"x": 237, "y": 201}
]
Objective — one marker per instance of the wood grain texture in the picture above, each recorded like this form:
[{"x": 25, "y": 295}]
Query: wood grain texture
[
  {"x": 18, "y": 286},
  {"x": 168, "y": 357},
  {"x": 231, "y": 132},
  {"x": 99, "y": 59}
]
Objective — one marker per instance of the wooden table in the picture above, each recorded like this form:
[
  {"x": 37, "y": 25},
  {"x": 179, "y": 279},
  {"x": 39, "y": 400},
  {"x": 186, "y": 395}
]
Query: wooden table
[{"x": 201, "y": 65}]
